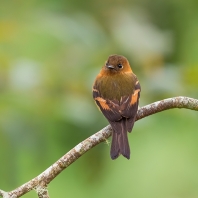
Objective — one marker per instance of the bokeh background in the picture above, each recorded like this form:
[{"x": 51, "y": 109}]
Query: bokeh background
[{"x": 50, "y": 53}]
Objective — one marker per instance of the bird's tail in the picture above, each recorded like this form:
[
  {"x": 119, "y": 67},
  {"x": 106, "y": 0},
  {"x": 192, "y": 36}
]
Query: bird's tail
[{"x": 120, "y": 143}]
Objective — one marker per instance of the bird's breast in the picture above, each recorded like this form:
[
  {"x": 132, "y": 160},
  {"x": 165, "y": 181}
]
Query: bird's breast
[{"x": 114, "y": 87}]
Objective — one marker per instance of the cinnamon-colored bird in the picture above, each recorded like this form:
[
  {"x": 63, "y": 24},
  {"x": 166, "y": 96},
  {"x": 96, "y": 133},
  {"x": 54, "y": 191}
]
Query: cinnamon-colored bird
[{"x": 116, "y": 91}]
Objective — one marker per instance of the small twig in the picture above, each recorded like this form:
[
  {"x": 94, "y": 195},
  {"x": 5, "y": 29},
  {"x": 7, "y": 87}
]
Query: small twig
[
  {"x": 42, "y": 191},
  {"x": 49, "y": 174}
]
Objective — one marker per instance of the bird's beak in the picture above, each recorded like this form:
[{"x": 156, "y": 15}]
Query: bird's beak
[{"x": 110, "y": 67}]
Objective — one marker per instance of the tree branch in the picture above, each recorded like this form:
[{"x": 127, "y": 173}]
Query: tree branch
[{"x": 41, "y": 181}]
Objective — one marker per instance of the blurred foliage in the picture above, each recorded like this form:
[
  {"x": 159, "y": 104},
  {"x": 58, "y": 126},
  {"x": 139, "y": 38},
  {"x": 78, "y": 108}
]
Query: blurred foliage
[{"x": 50, "y": 53}]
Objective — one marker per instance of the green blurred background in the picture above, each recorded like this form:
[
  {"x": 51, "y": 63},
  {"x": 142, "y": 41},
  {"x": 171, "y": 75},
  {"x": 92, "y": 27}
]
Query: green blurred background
[{"x": 50, "y": 53}]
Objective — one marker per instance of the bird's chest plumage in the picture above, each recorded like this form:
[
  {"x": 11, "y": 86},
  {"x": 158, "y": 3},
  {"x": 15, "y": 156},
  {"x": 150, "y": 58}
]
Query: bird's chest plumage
[{"x": 114, "y": 87}]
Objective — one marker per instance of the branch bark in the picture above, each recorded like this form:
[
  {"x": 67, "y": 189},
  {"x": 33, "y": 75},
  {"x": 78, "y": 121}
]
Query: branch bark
[{"x": 40, "y": 182}]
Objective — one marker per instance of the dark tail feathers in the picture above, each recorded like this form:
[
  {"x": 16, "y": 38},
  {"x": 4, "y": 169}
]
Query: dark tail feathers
[{"x": 120, "y": 144}]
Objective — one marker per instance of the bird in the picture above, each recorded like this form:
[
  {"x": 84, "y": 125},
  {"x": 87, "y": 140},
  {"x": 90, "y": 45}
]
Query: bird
[{"x": 116, "y": 91}]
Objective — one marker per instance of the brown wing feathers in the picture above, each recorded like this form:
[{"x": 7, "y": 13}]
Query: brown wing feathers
[
  {"x": 109, "y": 108},
  {"x": 129, "y": 106}
]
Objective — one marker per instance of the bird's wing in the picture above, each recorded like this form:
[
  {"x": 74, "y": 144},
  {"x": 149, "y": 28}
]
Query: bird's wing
[
  {"x": 110, "y": 108},
  {"x": 129, "y": 106}
]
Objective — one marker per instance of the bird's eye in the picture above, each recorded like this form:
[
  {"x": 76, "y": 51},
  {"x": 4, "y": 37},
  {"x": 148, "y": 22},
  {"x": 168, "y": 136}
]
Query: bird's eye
[{"x": 120, "y": 65}]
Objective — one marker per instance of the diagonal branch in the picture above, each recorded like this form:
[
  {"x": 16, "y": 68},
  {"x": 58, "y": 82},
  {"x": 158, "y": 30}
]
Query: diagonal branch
[
  {"x": 169, "y": 103},
  {"x": 49, "y": 174}
]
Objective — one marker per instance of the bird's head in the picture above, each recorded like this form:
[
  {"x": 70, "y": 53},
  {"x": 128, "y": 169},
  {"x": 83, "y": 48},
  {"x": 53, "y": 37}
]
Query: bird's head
[{"x": 117, "y": 64}]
